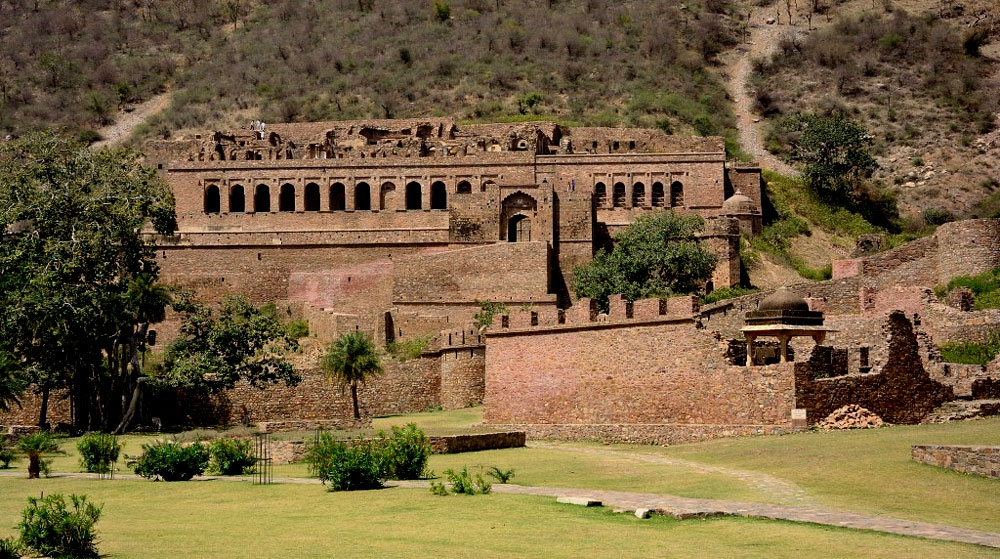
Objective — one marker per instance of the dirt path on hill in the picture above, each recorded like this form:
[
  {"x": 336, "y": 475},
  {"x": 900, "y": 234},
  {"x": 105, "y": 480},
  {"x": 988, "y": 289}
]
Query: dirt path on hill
[
  {"x": 763, "y": 41},
  {"x": 778, "y": 489},
  {"x": 122, "y": 128}
]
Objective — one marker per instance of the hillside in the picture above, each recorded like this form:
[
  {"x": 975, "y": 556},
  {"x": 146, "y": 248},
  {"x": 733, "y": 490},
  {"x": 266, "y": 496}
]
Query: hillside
[
  {"x": 922, "y": 77},
  {"x": 592, "y": 62}
]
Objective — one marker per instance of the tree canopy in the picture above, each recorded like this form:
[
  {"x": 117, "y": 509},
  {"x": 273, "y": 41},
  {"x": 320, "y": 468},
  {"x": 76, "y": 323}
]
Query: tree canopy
[
  {"x": 218, "y": 348},
  {"x": 836, "y": 152},
  {"x": 656, "y": 256},
  {"x": 351, "y": 360},
  {"x": 72, "y": 262}
]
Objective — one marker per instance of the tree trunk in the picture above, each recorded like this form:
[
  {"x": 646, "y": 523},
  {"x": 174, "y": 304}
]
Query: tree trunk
[
  {"x": 34, "y": 466},
  {"x": 43, "y": 409},
  {"x": 354, "y": 398},
  {"x": 133, "y": 406}
]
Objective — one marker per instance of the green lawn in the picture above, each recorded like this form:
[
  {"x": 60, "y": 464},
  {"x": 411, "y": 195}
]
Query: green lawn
[{"x": 220, "y": 519}]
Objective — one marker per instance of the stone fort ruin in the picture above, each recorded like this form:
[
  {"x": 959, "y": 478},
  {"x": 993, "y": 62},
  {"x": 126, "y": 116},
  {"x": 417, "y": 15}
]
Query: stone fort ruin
[{"x": 401, "y": 228}]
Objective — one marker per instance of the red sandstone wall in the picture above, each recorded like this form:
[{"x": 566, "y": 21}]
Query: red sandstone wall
[
  {"x": 501, "y": 271},
  {"x": 668, "y": 374}
]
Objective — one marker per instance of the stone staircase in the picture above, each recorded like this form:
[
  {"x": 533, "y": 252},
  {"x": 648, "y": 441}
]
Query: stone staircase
[{"x": 957, "y": 410}]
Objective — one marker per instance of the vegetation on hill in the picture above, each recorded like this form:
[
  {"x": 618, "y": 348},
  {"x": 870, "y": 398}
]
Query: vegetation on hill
[
  {"x": 592, "y": 62},
  {"x": 985, "y": 288},
  {"x": 918, "y": 82}
]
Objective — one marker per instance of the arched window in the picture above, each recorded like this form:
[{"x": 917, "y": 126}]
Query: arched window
[
  {"x": 638, "y": 195},
  {"x": 262, "y": 198},
  {"x": 413, "y": 201},
  {"x": 286, "y": 198},
  {"x": 387, "y": 196},
  {"x": 439, "y": 196},
  {"x": 362, "y": 197},
  {"x": 618, "y": 197},
  {"x": 600, "y": 195},
  {"x": 464, "y": 187},
  {"x": 312, "y": 197},
  {"x": 237, "y": 199},
  {"x": 487, "y": 185},
  {"x": 676, "y": 194},
  {"x": 657, "y": 198},
  {"x": 338, "y": 197},
  {"x": 212, "y": 203}
]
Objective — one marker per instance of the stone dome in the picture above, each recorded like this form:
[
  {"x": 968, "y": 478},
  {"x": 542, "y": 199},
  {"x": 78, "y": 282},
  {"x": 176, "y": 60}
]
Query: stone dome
[
  {"x": 739, "y": 203},
  {"x": 783, "y": 300}
]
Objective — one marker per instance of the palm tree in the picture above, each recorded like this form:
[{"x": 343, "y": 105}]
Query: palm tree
[
  {"x": 34, "y": 446},
  {"x": 351, "y": 359}
]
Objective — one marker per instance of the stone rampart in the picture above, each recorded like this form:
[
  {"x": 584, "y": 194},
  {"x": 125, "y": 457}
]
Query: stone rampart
[{"x": 976, "y": 460}]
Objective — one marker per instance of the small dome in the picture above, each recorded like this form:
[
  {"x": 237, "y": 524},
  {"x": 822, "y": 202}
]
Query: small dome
[
  {"x": 783, "y": 300},
  {"x": 739, "y": 203}
]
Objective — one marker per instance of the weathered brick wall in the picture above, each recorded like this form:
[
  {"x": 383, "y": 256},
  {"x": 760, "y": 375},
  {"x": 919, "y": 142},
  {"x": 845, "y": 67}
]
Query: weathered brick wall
[
  {"x": 976, "y": 460},
  {"x": 625, "y": 378},
  {"x": 970, "y": 381},
  {"x": 968, "y": 248},
  {"x": 501, "y": 271},
  {"x": 901, "y": 391},
  {"x": 462, "y": 376}
]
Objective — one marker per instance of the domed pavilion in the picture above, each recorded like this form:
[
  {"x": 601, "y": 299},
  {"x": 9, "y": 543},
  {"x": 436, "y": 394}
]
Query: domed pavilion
[{"x": 783, "y": 315}]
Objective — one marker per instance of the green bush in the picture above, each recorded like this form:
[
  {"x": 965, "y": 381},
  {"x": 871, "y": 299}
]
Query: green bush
[
  {"x": 438, "y": 488},
  {"x": 408, "y": 349},
  {"x": 972, "y": 353},
  {"x": 98, "y": 452},
  {"x": 10, "y": 548},
  {"x": 172, "y": 461},
  {"x": 6, "y": 454},
  {"x": 297, "y": 329},
  {"x": 346, "y": 467},
  {"x": 724, "y": 293},
  {"x": 54, "y": 529},
  {"x": 461, "y": 481},
  {"x": 231, "y": 457},
  {"x": 502, "y": 476},
  {"x": 405, "y": 452}
]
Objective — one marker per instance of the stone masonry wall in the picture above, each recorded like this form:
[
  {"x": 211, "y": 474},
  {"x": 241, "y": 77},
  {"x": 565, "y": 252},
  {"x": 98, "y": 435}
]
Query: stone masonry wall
[
  {"x": 625, "y": 380},
  {"x": 976, "y": 460},
  {"x": 901, "y": 391}
]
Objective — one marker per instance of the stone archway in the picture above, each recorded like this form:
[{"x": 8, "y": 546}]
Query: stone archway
[{"x": 517, "y": 217}]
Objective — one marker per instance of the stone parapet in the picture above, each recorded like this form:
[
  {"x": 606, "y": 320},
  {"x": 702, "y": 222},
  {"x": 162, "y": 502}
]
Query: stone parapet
[{"x": 631, "y": 433}]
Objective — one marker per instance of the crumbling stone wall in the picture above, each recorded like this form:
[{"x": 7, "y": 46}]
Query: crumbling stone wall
[{"x": 901, "y": 391}]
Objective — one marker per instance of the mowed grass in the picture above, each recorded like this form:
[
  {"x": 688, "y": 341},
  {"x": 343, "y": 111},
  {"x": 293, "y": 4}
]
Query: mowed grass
[
  {"x": 145, "y": 519},
  {"x": 869, "y": 470}
]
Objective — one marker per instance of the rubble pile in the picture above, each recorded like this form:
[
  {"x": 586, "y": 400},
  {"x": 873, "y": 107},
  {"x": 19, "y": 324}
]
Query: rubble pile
[{"x": 851, "y": 416}]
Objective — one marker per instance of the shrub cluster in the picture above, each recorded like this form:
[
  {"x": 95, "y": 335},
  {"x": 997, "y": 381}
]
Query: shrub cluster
[
  {"x": 985, "y": 287},
  {"x": 972, "y": 353},
  {"x": 365, "y": 464},
  {"x": 231, "y": 457},
  {"x": 172, "y": 461},
  {"x": 6, "y": 453},
  {"x": 462, "y": 482},
  {"x": 56, "y": 527},
  {"x": 35, "y": 446},
  {"x": 98, "y": 452}
]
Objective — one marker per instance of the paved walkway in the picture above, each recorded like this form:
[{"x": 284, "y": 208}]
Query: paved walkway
[{"x": 682, "y": 507}]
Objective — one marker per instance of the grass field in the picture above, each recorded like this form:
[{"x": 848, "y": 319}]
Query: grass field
[
  {"x": 220, "y": 519},
  {"x": 868, "y": 471}
]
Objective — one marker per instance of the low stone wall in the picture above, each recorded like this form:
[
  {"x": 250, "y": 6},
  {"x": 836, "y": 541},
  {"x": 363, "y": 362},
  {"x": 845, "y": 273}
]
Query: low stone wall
[
  {"x": 976, "y": 460},
  {"x": 287, "y": 452},
  {"x": 643, "y": 433},
  {"x": 454, "y": 444},
  {"x": 313, "y": 424}
]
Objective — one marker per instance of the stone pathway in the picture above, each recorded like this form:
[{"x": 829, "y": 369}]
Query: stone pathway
[
  {"x": 782, "y": 491},
  {"x": 682, "y": 507},
  {"x": 126, "y": 123},
  {"x": 763, "y": 41}
]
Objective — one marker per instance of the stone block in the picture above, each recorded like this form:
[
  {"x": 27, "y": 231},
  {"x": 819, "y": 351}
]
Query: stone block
[
  {"x": 643, "y": 513},
  {"x": 616, "y": 308},
  {"x": 580, "y": 501},
  {"x": 646, "y": 309}
]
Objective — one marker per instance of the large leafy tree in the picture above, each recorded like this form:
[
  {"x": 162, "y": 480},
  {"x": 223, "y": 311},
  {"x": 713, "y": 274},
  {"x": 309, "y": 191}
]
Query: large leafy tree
[
  {"x": 77, "y": 275},
  {"x": 351, "y": 360},
  {"x": 835, "y": 152},
  {"x": 656, "y": 256},
  {"x": 218, "y": 348}
]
